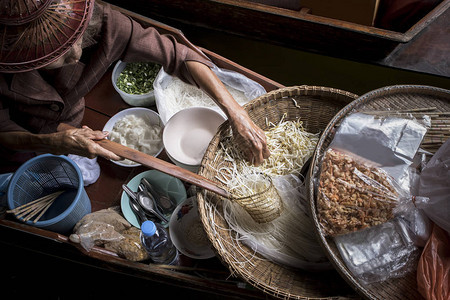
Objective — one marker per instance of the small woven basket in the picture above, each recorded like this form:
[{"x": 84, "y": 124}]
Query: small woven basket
[
  {"x": 315, "y": 107},
  {"x": 395, "y": 98},
  {"x": 264, "y": 206}
]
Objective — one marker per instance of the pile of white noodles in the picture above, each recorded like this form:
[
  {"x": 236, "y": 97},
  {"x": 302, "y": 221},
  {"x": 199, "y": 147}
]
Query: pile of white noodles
[
  {"x": 180, "y": 95},
  {"x": 289, "y": 239},
  {"x": 290, "y": 146},
  {"x": 134, "y": 132}
]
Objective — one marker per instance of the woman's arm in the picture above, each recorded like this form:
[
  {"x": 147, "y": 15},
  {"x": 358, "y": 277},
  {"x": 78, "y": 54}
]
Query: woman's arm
[
  {"x": 247, "y": 135},
  {"x": 79, "y": 141}
]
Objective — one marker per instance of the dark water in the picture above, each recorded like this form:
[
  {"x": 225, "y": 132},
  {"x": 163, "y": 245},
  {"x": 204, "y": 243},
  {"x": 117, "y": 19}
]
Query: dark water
[{"x": 293, "y": 67}]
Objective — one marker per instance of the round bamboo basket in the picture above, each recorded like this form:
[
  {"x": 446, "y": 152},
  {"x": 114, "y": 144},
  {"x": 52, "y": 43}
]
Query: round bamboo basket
[
  {"x": 395, "y": 98},
  {"x": 315, "y": 106}
]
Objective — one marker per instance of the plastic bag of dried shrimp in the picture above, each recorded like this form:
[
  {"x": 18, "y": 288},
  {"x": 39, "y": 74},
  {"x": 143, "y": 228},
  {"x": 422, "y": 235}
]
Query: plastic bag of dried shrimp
[
  {"x": 365, "y": 172},
  {"x": 365, "y": 197}
]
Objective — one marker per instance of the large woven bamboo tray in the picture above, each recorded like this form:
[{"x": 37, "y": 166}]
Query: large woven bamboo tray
[
  {"x": 315, "y": 106},
  {"x": 400, "y": 97}
]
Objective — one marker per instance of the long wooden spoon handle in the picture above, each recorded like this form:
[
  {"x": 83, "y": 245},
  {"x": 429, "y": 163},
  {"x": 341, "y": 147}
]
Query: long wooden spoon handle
[{"x": 160, "y": 165}]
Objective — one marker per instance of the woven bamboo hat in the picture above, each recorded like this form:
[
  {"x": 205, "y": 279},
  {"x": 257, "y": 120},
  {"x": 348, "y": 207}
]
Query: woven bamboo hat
[{"x": 34, "y": 33}]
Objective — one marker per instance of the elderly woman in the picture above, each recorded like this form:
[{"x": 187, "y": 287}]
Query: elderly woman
[{"x": 44, "y": 76}]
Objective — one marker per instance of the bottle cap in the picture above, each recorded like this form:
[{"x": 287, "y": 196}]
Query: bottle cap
[{"x": 148, "y": 228}]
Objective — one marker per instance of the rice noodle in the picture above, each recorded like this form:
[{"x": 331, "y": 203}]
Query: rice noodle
[
  {"x": 180, "y": 95},
  {"x": 289, "y": 239},
  {"x": 134, "y": 132}
]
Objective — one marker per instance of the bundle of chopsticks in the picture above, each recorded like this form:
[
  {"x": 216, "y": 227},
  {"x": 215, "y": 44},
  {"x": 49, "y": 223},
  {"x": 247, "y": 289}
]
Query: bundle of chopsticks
[
  {"x": 436, "y": 135},
  {"x": 36, "y": 208}
]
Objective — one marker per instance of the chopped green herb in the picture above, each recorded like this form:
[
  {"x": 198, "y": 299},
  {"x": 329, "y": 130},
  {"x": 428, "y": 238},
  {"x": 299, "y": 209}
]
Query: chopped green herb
[{"x": 137, "y": 78}]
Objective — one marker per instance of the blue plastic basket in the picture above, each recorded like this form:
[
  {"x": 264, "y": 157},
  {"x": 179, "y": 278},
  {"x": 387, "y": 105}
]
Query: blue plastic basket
[{"x": 43, "y": 175}]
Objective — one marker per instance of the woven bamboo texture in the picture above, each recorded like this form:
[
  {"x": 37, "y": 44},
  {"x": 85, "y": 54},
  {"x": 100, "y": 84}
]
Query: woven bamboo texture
[
  {"x": 396, "y": 98},
  {"x": 46, "y": 30},
  {"x": 315, "y": 106}
]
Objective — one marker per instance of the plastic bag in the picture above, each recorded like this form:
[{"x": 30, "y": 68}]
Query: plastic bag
[
  {"x": 434, "y": 188},
  {"x": 4, "y": 181},
  {"x": 108, "y": 229},
  {"x": 241, "y": 88},
  {"x": 99, "y": 227},
  {"x": 364, "y": 195},
  {"x": 377, "y": 254},
  {"x": 130, "y": 247},
  {"x": 433, "y": 271},
  {"x": 365, "y": 173}
]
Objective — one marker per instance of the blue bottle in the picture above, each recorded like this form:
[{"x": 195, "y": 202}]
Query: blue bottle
[{"x": 157, "y": 243}]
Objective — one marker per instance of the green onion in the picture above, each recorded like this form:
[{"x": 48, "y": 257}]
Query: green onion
[{"x": 138, "y": 78}]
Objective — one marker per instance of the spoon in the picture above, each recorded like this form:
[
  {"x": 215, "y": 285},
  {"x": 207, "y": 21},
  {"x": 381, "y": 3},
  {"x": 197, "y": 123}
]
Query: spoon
[
  {"x": 134, "y": 205},
  {"x": 143, "y": 189},
  {"x": 148, "y": 205},
  {"x": 163, "y": 202}
]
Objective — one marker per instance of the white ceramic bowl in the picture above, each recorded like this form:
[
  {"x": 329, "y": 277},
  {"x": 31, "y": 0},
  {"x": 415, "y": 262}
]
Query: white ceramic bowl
[
  {"x": 187, "y": 134},
  {"x": 149, "y": 115},
  {"x": 187, "y": 232},
  {"x": 131, "y": 99}
]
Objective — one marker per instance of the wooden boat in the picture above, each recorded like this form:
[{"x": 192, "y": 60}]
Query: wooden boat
[
  {"x": 208, "y": 275},
  {"x": 292, "y": 27}
]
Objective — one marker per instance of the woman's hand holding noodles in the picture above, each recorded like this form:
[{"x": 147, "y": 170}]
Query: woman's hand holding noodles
[{"x": 249, "y": 137}]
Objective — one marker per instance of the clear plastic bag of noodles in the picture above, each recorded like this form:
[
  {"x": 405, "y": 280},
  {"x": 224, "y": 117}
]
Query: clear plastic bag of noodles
[
  {"x": 173, "y": 95},
  {"x": 363, "y": 190}
]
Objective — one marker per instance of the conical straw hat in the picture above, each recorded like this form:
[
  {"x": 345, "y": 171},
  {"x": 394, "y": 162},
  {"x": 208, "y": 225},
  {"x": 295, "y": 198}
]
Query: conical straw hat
[{"x": 34, "y": 33}]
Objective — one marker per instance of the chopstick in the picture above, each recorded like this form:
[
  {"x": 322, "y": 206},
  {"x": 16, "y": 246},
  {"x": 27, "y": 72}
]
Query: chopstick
[{"x": 36, "y": 207}]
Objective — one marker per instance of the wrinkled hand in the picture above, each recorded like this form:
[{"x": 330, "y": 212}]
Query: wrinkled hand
[
  {"x": 249, "y": 138},
  {"x": 80, "y": 141}
]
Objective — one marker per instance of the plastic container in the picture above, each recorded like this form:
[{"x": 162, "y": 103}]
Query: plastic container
[
  {"x": 131, "y": 99},
  {"x": 157, "y": 243},
  {"x": 43, "y": 175}
]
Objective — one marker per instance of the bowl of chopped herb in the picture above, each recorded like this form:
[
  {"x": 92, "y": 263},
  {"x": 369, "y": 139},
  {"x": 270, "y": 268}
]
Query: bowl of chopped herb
[{"x": 134, "y": 82}]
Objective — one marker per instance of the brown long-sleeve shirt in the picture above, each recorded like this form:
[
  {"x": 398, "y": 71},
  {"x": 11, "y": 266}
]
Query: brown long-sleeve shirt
[{"x": 38, "y": 100}]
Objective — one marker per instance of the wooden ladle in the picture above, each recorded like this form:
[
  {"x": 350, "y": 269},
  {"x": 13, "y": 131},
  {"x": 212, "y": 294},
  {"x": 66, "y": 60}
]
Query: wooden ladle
[
  {"x": 263, "y": 207},
  {"x": 158, "y": 164}
]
